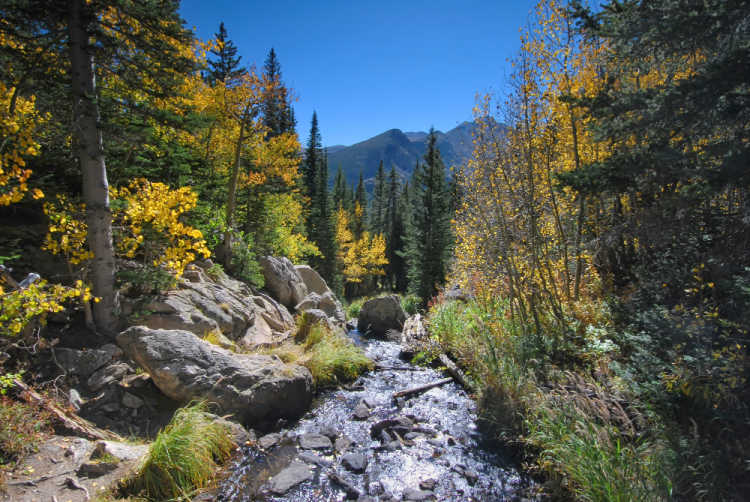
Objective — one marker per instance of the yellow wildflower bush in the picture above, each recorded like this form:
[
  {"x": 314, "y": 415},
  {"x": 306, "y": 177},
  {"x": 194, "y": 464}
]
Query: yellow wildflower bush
[{"x": 21, "y": 308}]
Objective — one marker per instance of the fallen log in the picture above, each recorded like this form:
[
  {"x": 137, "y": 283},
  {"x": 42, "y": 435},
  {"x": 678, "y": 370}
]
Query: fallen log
[
  {"x": 74, "y": 424},
  {"x": 455, "y": 372},
  {"x": 421, "y": 388}
]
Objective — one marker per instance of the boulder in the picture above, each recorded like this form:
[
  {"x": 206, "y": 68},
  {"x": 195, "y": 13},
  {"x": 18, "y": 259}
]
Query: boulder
[
  {"x": 414, "y": 336},
  {"x": 379, "y": 315},
  {"x": 312, "y": 279},
  {"x": 253, "y": 388},
  {"x": 282, "y": 280},
  {"x": 311, "y": 301},
  {"x": 297, "y": 472},
  {"x": 85, "y": 362},
  {"x": 204, "y": 305},
  {"x": 332, "y": 307}
]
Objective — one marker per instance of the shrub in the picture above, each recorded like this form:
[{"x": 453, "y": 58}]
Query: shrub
[
  {"x": 410, "y": 304},
  {"x": 183, "y": 457}
]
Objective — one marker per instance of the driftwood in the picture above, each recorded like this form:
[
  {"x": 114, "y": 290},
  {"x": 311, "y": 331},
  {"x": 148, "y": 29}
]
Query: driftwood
[
  {"x": 74, "y": 424},
  {"x": 455, "y": 372},
  {"x": 421, "y": 388}
]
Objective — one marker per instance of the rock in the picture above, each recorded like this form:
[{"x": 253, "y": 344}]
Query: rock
[
  {"x": 428, "y": 484},
  {"x": 414, "y": 337},
  {"x": 361, "y": 411},
  {"x": 413, "y": 494},
  {"x": 209, "y": 496},
  {"x": 312, "y": 441},
  {"x": 332, "y": 307},
  {"x": 311, "y": 301},
  {"x": 222, "y": 305},
  {"x": 379, "y": 315},
  {"x": 96, "y": 469},
  {"x": 343, "y": 443},
  {"x": 329, "y": 431},
  {"x": 85, "y": 362},
  {"x": 455, "y": 293},
  {"x": 75, "y": 399},
  {"x": 135, "y": 381},
  {"x": 313, "y": 458},
  {"x": 239, "y": 434},
  {"x": 375, "y": 488},
  {"x": 269, "y": 440},
  {"x": 351, "y": 324},
  {"x": 354, "y": 462},
  {"x": 252, "y": 387},
  {"x": 297, "y": 472},
  {"x": 312, "y": 279},
  {"x": 131, "y": 401},
  {"x": 107, "y": 375},
  {"x": 282, "y": 280},
  {"x": 123, "y": 451},
  {"x": 309, "y": 319}
]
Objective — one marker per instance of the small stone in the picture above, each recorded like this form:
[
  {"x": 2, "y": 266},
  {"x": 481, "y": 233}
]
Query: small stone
[
  {"x": 135, "y": 381},
  {"x": 375, "y": 488},
  {"x": 354, "y": 462},
  {"x": 330, "y": 432},
  {"x": 131, "y": 401},
  {"x": 75, "y": 399},
  {"x": 269, "y": 440},
  {"x": 103, "y": 377},
  {"x": 96, "y": 469},
  {"x": 412, "y": 494},
  {"x": 312, "y": 458},
  {"x": 428, "y": 484},
  {"x": 312, "y": 441},
  {"x": 361, "y": 412},
  {"x": 436, "y": 442},
  {"x": 412, "y": 435},
  {"x": 471, "y": 476},
  {"x": 342, "y": 444},
  {"x": 123, "y": 451},
  {"x": 297, "y": 472},
  {"x": 365, "y": 498}
]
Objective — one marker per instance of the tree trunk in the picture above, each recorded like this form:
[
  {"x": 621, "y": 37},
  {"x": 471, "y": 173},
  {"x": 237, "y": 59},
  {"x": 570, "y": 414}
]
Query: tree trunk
[
  {"x": 226, "y": 248},
  {"x": 90, "y": 152}
]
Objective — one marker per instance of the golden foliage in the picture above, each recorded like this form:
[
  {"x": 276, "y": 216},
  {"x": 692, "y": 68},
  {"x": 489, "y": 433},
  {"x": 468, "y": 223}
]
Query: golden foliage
[{"x": 360, "y": 258}]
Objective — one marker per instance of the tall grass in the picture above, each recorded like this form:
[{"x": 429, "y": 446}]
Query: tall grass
[
  {"x": 580, "y": 432},
  {"x": 332, "y": 358},
  {"x": 183, "y": 458}
]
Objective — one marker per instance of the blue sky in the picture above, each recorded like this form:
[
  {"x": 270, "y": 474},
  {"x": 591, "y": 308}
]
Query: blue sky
[{"x": 367, "y": 67}]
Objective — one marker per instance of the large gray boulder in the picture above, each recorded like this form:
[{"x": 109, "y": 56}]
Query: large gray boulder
[
  {"x": 253, "y": 388},
  {"x": 282, "y": 280},
  {"x": 379, "y": 315},
  {"x": 328, "y": 303},
  {"x": 312, "y": 279},
  {"x": 202, "y": 304}
]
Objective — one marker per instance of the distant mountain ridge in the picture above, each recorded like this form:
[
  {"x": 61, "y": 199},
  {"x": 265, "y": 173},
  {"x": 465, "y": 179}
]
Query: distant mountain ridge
[{"x": 400, "y": 149}]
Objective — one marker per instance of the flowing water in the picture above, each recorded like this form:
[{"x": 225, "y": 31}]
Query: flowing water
[{"x": 426, "y": 447}]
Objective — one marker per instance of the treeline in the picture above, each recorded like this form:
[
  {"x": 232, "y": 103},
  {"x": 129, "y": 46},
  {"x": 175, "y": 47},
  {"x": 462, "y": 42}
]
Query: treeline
[{"x": 605, "y": 231}]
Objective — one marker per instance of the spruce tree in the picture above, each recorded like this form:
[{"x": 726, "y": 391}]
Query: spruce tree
[
  {"x": 225, "y": 64},
  {"x": 313, "y": 157},
  {"x": 339, "y": 190},
  {"x": 278, "y": 114},
  {"x": 393, "y": 229},
  {"x": 360, "y": 200},
  {"x": 377, "y": 212},
  {"x": 429, "y": 234},
  {"x": 321, "y": 223}
]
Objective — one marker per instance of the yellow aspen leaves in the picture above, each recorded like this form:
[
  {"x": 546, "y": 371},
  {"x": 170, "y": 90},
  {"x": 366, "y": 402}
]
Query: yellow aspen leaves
[{"x": 360, "y": 258}]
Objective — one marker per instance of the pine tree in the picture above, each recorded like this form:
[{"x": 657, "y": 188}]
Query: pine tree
[
  {"x": 377, "y": 211},
  {"x": 321, "y": 223},
  {"x": 402, "y": 221},
  {"x": 360, "y": 208},
  {"x": 278, "y": 114},
  {"x": 313, "y": 157},
  {"x": 393, "y": 229},
  {"x": 225, "y": 67},
  {"x": 429, "y": 233},
  {"x": 339, "y": 195}
]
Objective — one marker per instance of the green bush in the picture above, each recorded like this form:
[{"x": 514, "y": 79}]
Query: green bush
[
  {"x": 22, "y": 428},
  {"x": 410, "y": 304},
  {"x": 183, "y": 457},
  {"x": 352, "y": 310}
]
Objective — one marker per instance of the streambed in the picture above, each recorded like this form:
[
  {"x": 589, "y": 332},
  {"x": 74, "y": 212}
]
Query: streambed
[{"x": 426, "y": 447}]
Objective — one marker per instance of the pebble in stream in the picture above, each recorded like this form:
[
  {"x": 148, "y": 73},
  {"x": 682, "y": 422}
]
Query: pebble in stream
[{"x": 357, "y": 443}]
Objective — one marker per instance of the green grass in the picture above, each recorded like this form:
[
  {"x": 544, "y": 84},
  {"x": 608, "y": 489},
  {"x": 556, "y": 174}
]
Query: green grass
[
  {"x": 332, "y": 358},
  {"x": 183, "y": 458}
]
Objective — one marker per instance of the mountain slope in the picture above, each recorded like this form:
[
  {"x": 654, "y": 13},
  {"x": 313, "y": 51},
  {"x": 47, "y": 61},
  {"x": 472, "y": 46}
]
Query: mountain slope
[{"x": 399, "y": 149}]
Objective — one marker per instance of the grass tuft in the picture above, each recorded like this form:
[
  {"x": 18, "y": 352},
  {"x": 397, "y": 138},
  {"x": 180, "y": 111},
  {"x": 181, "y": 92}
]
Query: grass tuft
[
  {"x": 183, "y": 458},
  {"x": 332, "y": 358}
]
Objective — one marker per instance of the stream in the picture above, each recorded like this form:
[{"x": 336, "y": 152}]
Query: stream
[{"x": 425, "y": 447}]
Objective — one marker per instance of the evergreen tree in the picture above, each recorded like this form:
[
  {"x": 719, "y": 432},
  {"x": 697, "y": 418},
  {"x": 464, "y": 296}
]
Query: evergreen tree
[
  {"x": 394, "y": 230},
  {"x": 429, "y": 234},
  {"x": 402, "y": 222},
  {"x": 377, "y": 211},
  {"x": 278, "y": 114},
  {"x": 313, "y": 157},
  {"x": 360, "y": 208},
  {"x": 225, "y": 65},
  {"x": 321, "y": 223},
  {"x": 339, "y": 195}
]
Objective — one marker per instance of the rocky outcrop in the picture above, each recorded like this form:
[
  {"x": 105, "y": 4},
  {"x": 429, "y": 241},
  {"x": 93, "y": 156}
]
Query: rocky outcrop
[
  {"x": 312, "y": 279},
  {"x": 380, "y": 315},
  {"x": 202, "y": 305},
  {"x": 85, "y": 362},
  {"x": 282, "y": 280},
  {"x": 328, "y": 303},
  {"x": 414, "y": 337},
  {"x": 254, "y": 388}
]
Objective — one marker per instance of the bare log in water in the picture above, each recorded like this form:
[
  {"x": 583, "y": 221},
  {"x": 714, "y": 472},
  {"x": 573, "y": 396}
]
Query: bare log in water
[
  {"x": 455, "y": 372},
  {"x": 421, "y": 388}
]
